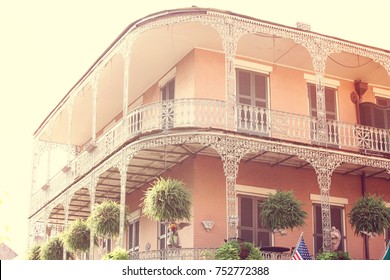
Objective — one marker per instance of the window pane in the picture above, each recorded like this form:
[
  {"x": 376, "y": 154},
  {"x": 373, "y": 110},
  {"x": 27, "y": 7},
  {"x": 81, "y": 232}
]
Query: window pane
[
  {"x": 260, "y": 86},
  {"x": 136, "y": 234},
  {"x": 131, "y": 236},
  {"x": 263, "y": 239},
  {"x": 172, "y": 90},
  {"x": 330, "y": 100},
  {"x": 247, "y": 235},
  {"x": 318, "y": 219},
  {"x": 246, "y": 216},
  {"x": 244, "y": 83}
]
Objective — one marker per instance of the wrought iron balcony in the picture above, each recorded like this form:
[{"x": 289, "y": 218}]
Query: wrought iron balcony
[
  {"x": 194, "y": 254},
  {"x": 214, "y": 114}
]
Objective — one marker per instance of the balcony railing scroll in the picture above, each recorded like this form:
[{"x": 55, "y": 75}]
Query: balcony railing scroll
[
  {"x": 212, "y": 114},
  {"x": 194, "y": 254}
]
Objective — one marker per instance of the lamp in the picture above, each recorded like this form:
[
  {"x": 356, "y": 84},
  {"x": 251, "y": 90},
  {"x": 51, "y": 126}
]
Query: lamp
[{"x": 208, "y": 225}]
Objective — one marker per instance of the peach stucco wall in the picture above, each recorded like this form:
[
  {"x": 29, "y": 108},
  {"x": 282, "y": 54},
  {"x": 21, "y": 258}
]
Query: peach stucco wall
[
  {"x": 210, "y": 75},
  {"x": 288, "y": 91}
]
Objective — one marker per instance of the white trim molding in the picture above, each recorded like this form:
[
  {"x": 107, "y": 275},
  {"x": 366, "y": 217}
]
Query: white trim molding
[
  {"x": 341, "y": 201},
  {"x": 327, "y": 81},
  {"x": 380, "y": 92},
  {"x": 251, "y": 190},
  {"x": 252, "y": 66}
]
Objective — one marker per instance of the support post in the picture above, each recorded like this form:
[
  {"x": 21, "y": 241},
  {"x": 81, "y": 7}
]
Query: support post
[
  {"x": 92, "y": 191},
  {"x": 123, "y": 173}
]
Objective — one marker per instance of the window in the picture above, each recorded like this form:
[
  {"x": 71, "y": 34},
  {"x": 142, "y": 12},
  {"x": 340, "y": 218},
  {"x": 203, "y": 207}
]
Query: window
[
  {"x": 330, "y": 108},
  {"x": 337, "y": 219},
  {"x": 107, "y": 245},
  {"x": 168, "y": 113},
  {"x": 250, "y": 224},
  {"x": 133, "y": 238},
  {"x": 252, "y": 96},
  {"x": 382, "y": 101}
]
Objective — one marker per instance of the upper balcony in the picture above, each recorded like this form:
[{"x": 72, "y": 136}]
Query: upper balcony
[
  {"x": 206, "y": 114},
  {"x": 260, "y": 80}
]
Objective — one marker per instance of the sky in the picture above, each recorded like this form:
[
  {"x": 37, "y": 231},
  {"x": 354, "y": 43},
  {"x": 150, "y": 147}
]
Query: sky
[{"x": 47, "y": 45}]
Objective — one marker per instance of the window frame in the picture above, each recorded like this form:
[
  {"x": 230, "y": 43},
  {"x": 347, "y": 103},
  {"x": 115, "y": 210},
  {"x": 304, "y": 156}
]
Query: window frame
[
  {"x": 132, "y": 224},
  {"x": 255, "y": 228}
]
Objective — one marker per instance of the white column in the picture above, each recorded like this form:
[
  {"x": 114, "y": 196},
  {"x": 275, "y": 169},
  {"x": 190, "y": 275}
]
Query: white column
[
  {"x": 123, "y": 173},
  {"x": 92, "y": 191}
]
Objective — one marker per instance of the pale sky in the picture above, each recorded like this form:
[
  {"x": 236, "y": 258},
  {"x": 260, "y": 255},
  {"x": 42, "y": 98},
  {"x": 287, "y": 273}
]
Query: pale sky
[{"x": 46, "y": 46}]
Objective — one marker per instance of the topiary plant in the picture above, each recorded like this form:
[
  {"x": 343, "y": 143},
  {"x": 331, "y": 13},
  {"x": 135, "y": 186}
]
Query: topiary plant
[
  {"x": 167, "y": 200},
  {"x": 369, "y": 215},
  {"x": 117, "y": 254},
  {"x": 105, "y": 219},
  {"x": 34, "y": 252},
  {"x": 282, "y": 211},
  {"x": 77, "y": 237},
  {"x": 238, "y": 250},
  {"x": 53, "y": 249}
]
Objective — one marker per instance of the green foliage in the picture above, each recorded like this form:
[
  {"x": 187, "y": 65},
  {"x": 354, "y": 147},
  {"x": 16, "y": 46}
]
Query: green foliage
[
  {"x": 53, "y": 249},
  {"x": 281, "y": 211},
  {"x": 236, "y": 250},
  {"x": 333, "y": 256},
  {"x": 369, "y": 215},
  {"x": 117, "y": 254},
  {"x": 105, "y": 219},
  {"x": 77, "y": 237},
  {"x": 167, "y": 200},
  {"x": 34, "y": 252}
]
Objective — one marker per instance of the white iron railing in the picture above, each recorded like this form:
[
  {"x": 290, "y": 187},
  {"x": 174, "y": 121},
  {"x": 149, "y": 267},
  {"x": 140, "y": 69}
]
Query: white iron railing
[{"x": 206, "y": 113}]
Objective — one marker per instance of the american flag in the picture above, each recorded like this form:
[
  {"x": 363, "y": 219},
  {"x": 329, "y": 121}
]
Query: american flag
[{"x": 301, "y": 252}]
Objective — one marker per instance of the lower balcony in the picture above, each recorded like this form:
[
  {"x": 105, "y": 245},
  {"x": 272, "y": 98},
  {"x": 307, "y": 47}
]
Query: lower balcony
[
  {"x": 194, "y": 254},
  {"x": 204, "y": 114}
]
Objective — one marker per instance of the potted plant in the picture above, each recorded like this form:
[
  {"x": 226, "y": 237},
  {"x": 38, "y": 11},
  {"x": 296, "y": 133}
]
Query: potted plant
[
  {"x": 238, "y": 250},
  {"x": 53, "y": 249},
  {"x": 369, "y": 216},
  {"x": 77, "y": 237},
  {"x": 104, "y": 220},
  {"x": 168, "y": 201},
  {"x": 281, "y": 211},
  {"x": 338, "y": 255},
  {"x": 117, "y": 254}
]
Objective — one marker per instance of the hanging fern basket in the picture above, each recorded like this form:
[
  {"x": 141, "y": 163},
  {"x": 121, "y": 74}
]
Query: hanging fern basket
[
  {"x": 104, "y": 220},
  {"x": 77, "y": 237},
  {"x": 53, "y": 249},
  {"x": 282, "y": 211},
  {"x": 167, "y": 200},
  {"x": 369, "y": 216}
]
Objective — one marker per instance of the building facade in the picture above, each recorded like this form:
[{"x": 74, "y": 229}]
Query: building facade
[{"x": 235, "y": 107}]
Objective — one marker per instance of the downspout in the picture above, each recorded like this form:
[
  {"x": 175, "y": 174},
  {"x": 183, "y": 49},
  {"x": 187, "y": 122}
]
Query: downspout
[{"x": 366, "y": 243}]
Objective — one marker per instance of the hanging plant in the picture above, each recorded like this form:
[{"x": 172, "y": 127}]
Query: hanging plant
[
  {"x": 104, "y": 220},
  {"x": 369, "y": 216},
  {"x": 167, "y": 200},
  {"x": 34, "y": 252},
  {"x": 282, "y": 211},
  {"x": 53, "y": 249},
  {"x": 238, "y": 250},
  {"x": 77, "y": 237}
]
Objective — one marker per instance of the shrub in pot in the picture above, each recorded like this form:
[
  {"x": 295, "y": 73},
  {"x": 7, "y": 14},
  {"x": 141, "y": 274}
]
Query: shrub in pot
[
  {"x": 369, "y": 216},
  {"x": 238, "y": 250},
  {"x": 281, "y": 211}
]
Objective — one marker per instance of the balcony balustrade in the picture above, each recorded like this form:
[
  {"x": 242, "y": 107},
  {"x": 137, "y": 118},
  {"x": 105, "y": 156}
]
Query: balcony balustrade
[
  {"x": 213, "y": 114},
  {"x": 194, "y": 254}
]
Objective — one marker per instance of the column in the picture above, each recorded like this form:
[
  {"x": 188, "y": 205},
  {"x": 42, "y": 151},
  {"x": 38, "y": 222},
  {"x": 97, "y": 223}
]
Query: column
[
  {"x": 66, "y": 212},
  {"x": 123, "y": 173},
  {"x": 92, "y": 191},
  {"x": 231, "y": 151},
  {"x": 324, "y": 164}
]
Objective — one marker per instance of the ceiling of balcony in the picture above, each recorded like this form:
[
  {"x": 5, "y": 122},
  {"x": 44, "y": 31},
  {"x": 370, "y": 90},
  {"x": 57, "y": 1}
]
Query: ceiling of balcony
[{"x": 150, "y": 164}]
